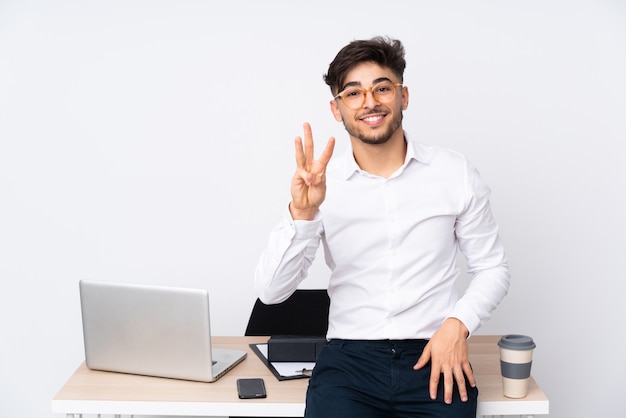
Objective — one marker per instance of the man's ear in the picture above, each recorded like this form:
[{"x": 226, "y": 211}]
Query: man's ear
[
  {"x": 405, "y": 97},
  {"x": 335, "y": 109}
]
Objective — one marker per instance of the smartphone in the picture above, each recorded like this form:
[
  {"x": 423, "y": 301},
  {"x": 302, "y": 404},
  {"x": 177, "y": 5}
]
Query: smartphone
[{"x": 251, "y": 388}]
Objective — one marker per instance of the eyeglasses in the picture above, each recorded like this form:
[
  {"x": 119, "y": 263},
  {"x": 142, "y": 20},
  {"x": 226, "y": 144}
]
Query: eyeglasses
[{"x": 354, "y": 97}]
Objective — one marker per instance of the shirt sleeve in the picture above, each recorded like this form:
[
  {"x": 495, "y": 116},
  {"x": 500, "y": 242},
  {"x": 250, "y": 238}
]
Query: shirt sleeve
[
  {"x": 285, "y": 261},
  {"x": 479, "y": 242}
]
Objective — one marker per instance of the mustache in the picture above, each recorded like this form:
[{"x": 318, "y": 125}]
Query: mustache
[{"x": 374, "y": 111}]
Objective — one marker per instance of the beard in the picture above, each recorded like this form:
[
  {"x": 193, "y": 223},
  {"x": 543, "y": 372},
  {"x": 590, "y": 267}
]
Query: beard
[{"x": 376, "y": 138}]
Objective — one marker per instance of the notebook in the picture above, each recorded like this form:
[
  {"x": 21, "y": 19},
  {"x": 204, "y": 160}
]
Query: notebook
[{"x": 151, "y": 330}]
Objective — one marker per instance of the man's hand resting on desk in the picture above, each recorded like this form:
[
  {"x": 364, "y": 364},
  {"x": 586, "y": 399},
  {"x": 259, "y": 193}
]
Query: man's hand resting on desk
[{"x": 447, "y": 350}]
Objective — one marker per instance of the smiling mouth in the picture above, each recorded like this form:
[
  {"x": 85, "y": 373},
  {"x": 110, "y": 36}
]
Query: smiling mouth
[{"x": 373, "y": 119}]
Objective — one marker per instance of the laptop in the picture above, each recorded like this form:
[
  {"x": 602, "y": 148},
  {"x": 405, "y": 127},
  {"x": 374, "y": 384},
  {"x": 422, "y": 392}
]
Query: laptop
[{"x": 151, "y": 330}]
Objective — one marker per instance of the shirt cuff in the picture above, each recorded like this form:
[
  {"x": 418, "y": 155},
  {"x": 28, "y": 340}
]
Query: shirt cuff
[
  {"x": 467, "y": 317},
  {"x": 302, "y": 229}
]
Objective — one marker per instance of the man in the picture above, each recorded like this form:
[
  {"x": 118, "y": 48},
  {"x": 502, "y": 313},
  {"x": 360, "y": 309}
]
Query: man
[{"x": 391, "y": 215}]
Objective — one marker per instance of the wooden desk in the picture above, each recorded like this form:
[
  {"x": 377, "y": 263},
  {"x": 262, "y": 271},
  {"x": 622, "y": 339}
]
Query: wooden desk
[{"x": 94, "y": 392}]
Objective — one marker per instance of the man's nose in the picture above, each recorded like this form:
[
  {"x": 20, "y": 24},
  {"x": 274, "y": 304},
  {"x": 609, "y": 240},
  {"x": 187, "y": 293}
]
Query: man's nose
[{"x": 370, "y": 99}]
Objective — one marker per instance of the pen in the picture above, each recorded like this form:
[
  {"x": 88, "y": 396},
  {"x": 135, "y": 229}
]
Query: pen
[{"x": 305, "y": 371}]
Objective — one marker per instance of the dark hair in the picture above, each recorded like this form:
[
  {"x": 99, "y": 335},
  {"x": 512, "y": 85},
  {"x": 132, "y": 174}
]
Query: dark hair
[{"x": 386, "y": 52}]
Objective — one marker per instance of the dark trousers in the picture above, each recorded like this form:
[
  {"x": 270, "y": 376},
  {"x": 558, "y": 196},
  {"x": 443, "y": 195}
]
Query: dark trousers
[{"x": 375, "y": 379}]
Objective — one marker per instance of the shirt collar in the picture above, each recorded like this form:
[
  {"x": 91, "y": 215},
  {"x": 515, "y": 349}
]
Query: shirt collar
[{"x": 414, "y": 151}]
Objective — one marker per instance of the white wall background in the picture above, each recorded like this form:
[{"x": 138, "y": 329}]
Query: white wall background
[{"x": 151, "y": 141}]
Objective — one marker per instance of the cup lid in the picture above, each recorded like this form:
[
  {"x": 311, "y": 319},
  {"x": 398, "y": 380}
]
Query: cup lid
[{"x": 516, "y": 342}]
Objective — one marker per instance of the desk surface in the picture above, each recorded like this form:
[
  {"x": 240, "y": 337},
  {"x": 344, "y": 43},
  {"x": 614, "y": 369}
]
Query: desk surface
[{"x": 95, "y": 392}]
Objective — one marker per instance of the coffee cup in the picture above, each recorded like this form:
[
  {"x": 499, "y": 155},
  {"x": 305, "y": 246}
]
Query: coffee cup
[{"x": 516, "y": 356}]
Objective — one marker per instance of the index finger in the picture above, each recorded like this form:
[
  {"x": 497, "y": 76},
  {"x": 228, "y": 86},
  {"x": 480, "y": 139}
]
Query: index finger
[
  {"x": 328, "y": 152},
  {"x": 435, "y": 373}
]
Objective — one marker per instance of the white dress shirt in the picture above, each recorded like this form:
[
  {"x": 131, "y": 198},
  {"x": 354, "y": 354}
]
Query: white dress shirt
[{"x": 391, "y": 245}]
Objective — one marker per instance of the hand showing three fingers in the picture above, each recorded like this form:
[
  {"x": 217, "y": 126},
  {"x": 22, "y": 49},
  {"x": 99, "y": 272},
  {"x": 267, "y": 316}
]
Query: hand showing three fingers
[{"x": 308, "y": 186}]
